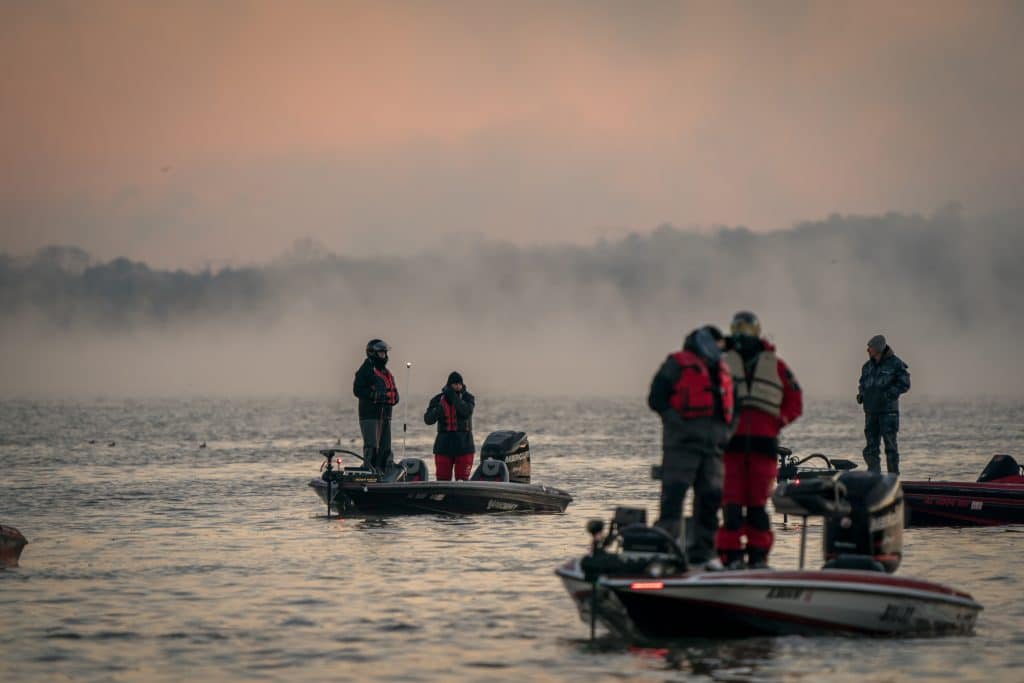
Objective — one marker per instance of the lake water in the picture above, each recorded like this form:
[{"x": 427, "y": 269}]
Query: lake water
[{"x": 156, "y": 560}]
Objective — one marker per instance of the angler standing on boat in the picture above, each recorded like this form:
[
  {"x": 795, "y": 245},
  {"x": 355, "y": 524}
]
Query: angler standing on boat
[
  {"x": 768, "y": 398},
  {"x": 693, "y": 393},
  {"x": 377, "y": 391},
  {"x": 452, "y": 410},
  {"x": 882, "y": 379}
]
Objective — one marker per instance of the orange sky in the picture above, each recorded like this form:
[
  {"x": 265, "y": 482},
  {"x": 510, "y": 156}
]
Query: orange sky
[{"x": 224, "y": 131}]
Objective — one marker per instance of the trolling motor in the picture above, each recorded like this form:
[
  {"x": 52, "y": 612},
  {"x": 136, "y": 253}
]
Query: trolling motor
[
  {"x": 789, "y": 465},
  {"x": 330, "y": 475}
]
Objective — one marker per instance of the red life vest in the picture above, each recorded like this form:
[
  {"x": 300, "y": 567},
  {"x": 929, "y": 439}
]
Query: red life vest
[
  {"x": 694, "y": 393},
  {"x": 451, "y": 418},
  {"x": 390, "y": 390}
]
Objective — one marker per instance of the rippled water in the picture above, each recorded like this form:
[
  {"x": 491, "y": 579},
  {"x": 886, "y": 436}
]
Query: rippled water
[{"x": 155, "y": 560}]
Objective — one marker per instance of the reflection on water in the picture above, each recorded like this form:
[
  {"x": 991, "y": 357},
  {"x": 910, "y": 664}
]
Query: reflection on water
[{"x": 158, "y": 560}]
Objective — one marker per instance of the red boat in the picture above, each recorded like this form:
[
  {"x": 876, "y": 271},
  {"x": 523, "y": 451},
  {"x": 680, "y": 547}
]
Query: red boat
[
  {"x": 996, "y": 498},
  {"x": 11, "y": 545}
]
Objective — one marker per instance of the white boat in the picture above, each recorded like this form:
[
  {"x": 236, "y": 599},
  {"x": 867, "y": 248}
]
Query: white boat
[{"x": 636, "y": 583}]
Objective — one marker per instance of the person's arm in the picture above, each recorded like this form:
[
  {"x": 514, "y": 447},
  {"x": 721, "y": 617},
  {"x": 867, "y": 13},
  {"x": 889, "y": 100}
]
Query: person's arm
[
  {"x": 792, "y": 396},
  {"x": 433, "y": 413},
  {"x": 901, "y": 380},
  {"x": 661, "y": 385},
  {"x": 464, "y": 404},
  {"x": 363, "y": 384}
]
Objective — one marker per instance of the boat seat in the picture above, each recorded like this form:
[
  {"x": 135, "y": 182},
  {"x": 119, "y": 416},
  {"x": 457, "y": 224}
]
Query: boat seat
[
  {"x": 490, "y": 470},
  {"x": 415, "y": 469},
  {"x": 394, "y": 474},
  {"x": 998, "y": 467},
  {"x": 863, "y": 562}
]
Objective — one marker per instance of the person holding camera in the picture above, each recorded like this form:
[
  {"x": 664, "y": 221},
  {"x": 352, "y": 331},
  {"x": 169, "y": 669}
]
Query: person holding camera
[{"x": 452, "y": 410}]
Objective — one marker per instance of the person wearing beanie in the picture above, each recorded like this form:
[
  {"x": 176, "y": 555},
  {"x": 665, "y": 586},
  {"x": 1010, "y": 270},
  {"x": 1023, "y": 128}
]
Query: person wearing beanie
[
  {"x": 692, "y": 392},
  {"x": 452, "y": 411},
  {"x": 768, "y": 398},
  {"x": 883, "y": 378},
  {"x": 375, "y": 387}
]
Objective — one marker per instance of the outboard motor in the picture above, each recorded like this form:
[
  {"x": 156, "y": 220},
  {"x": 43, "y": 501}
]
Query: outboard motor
[
  {"x": 870, "y": 535},
  {"x": 415, "y": 469},
  {"x": 1000, "y": 467},
  {"x": 490, "y": 470},
  {"x": 512, "y": 448},
  {"x": 642, "y": 549}
]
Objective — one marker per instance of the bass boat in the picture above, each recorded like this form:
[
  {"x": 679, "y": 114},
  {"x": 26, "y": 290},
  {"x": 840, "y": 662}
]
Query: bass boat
[
  {"x": 996, "y": 498},
  {"x": 500, "y": 483},
  {"x": 636, "y": 582}
]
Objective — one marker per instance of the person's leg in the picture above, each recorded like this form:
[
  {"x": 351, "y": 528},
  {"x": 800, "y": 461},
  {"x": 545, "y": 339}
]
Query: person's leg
[
  {"x": 464, "y": 466},
  {"x": 729, "y": 540},
  {"x": 443, "y": 464},
  {"x": 678, "y": 468},
  {"x": 384, "y": 454},
  {"x": 369, "y": 431},
  {"x": 761, "y": 472},
  {"x": 872, "y": 434},
  {"x": 707, "y": 499},
  {"x": 889, "y": 426}
]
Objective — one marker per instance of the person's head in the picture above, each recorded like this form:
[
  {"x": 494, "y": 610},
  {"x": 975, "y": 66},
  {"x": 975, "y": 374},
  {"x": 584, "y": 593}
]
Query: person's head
[
  {"x": 377, "y": 351},
  {"x": 716, "y": 334},
  {"x": 745, "y": 331},
  {"x": 455, "y": 381},
  {"x": 876, "y": 347}
]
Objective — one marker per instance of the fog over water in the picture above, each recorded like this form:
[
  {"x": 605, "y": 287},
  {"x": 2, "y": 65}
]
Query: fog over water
[{"x": 944, "y": 288}]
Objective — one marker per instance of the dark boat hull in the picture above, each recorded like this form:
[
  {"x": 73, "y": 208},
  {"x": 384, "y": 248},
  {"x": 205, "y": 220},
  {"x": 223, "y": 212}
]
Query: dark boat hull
[
  {"x": 11, "y": 544},
  {"x": 947, "y": 503},
  {"x": 445, "y": 497}
]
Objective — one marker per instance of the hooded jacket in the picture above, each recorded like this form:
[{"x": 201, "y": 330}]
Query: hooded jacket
[
  {"x": 453, "y": 413},
  {"x": 882, "y": 382}
]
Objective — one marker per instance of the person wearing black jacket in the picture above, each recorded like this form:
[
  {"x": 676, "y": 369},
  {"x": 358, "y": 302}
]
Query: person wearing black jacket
[
  {"x": 377, "y": 391},
  {"x": 692, "y": 392},
  {"x": 452, "y": 410},
  {"x": 882, "y": 379}
]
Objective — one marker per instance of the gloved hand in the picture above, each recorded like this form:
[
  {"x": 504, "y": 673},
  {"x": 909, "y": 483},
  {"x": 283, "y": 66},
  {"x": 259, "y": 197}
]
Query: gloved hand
[
  {"x": 449, "y": 393},
  {"x": 860, "y": 399}
]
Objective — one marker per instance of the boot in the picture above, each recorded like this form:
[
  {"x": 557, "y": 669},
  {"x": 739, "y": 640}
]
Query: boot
[
  {"x": 733, "y": 559},
  {"x": 757, "y": 558}
]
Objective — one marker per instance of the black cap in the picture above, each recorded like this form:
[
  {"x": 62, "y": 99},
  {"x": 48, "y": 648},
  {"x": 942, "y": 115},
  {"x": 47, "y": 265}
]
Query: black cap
[{"x": 455, "y": 378}]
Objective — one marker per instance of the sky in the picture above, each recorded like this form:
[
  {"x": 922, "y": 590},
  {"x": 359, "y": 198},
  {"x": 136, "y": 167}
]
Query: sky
[{"x": 192, "y": 134}]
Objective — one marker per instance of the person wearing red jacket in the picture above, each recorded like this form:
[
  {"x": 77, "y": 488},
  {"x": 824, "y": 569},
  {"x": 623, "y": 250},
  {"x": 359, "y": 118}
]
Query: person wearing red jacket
[{"x": 768, "y": 398}]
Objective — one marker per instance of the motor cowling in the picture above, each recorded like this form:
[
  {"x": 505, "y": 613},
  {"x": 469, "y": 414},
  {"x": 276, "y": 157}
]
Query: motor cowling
[
  {"x": 512, "y": 448},
  {"x": 872, "y": 531}
]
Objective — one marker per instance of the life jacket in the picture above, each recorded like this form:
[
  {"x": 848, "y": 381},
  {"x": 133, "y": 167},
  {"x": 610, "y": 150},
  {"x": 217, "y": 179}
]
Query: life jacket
[
  {"x": 390, "y": 390},
  {"x": 693, "y": 394},
  {"x": 763, "y": 390},
  {"x": 451, "y": 421}
]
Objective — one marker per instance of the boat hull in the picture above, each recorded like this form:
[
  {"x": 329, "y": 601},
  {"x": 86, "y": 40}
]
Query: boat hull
[
  {"x": 758, "y": 603},
  {"x": 945, "y": 503},
  {"x": 445, "y": 497}
]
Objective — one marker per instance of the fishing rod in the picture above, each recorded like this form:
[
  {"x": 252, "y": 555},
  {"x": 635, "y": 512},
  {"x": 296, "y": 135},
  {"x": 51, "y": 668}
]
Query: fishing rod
[{"x": 405, "y": 416}]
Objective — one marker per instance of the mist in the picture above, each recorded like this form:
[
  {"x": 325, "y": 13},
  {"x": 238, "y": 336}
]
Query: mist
[{"x": 544, "y": 320}]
